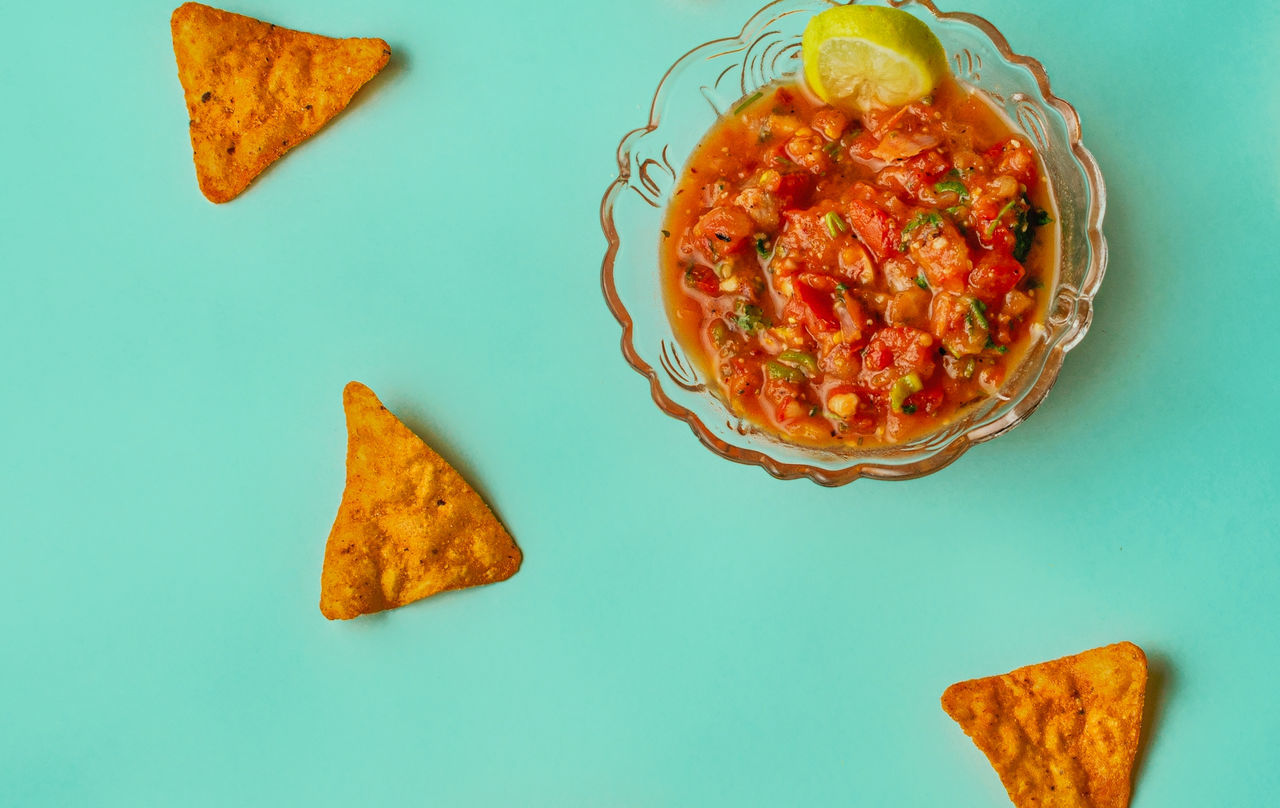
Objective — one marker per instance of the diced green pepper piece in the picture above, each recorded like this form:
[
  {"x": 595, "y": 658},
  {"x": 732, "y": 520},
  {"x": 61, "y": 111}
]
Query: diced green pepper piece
[
  {"x": 719, "y": 333},
  {"x": 902, "y": 390},
  {"x": 804, "y": 359},
  {"x": 786, "y": 373}
]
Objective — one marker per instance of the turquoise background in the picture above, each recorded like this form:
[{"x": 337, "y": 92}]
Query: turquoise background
[{"x": 685, "y": 631}]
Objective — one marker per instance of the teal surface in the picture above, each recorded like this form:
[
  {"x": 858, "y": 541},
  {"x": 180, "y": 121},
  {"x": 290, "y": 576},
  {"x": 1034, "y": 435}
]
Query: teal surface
[{"x": 685, "y": 631}]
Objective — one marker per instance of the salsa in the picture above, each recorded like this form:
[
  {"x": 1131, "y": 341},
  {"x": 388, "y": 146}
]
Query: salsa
[{"x": 850, "y": 280}]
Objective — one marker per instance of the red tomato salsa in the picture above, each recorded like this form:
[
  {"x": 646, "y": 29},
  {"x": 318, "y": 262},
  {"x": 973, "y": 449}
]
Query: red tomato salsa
[{"x": 858, "y": 281}]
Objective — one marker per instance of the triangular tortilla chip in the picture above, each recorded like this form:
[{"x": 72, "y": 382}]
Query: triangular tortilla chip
[
  {"x": 1061, "y": 734},
  {"x": 409, "y": 526},
  {"x": 255, "y": 90}
]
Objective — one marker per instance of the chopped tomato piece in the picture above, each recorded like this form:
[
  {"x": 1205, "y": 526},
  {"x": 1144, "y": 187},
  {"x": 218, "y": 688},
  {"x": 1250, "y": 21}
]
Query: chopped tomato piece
[
  {"x": 760, "y": 205},
  {"x": 742, "y": 376},
  {"x": 793, "y": 190},
  {"x": 907, "y": 350},
  {"x": 944, "y": 256},
  {"x": 904, "y": 179},
  {"x": 702, "y": 279},
  {"x": 874, "y": 228},
  {"x": 820, "y": 308},
  {"x": 995, "y": 274},
  {"x": 863, "y": 145},
  {"x": 806, "y": 148},
  {"x": 830, "y": 122},
  {"x": 930, "y": 163},
  {"x": 842, "y": 362},
  {"x": 723, "y": 230},
  {"x": 908, "y": 307},
  {"x": 928, "y": 400},
  {"x": 1012, "y": 157},
  {"x": 960, "y": 324},
  {"x": 1002, "y": 240},
  {"x": 806, "y": 237}
]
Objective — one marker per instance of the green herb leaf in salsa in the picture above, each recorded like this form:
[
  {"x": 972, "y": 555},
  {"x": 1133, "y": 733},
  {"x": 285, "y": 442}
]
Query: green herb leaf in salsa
[
  {"x": 748, "y": 318},
  {"x": 991, "y": 228},
  {"x": 956, "y": 187},
  {"x": 929, "y": 217},
  {"x": 1024, "y": 230},
  {"x": 978, "y": 310},
  {"x": 748, "y": 102},
  {"x": 835, "y": 225}
]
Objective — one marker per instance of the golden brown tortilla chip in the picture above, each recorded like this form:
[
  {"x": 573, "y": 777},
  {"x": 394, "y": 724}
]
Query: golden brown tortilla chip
[
  {"x": 409, "y": 526},
  {"x": 255, "y": 90},
  {"x": 1061, "y": 734}
]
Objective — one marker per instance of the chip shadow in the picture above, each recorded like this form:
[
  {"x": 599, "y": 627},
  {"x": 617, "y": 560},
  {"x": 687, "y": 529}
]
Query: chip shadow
[
  {"x": 1160, "y": 683},
  {"x": 396, "y": 66}
]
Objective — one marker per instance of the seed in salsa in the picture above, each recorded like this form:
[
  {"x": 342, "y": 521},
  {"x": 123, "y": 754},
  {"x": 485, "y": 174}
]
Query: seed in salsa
[{"x": 860, "y": 280}]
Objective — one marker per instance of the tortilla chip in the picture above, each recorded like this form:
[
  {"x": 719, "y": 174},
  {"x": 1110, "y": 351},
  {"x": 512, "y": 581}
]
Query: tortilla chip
[
  {"x": 409, "y": 526},
  {"x": 255, "y": 90},
  {"x": 1061, "y": 734}
]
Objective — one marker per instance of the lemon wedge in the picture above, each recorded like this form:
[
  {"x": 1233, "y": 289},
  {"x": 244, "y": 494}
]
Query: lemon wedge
[{"x": 870, "y": 57}]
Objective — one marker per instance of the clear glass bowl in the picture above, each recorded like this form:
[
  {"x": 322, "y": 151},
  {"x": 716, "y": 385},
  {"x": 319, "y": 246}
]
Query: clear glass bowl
[{"x": 704, "y": 84}]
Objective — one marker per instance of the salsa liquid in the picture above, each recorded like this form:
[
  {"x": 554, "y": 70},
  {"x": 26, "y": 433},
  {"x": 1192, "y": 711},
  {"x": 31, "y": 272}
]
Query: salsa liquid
[{"x": 861, "y": 281}]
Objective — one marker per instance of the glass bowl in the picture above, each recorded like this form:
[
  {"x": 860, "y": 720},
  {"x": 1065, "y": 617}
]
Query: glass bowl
[{"x": 706, "y": 83}]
